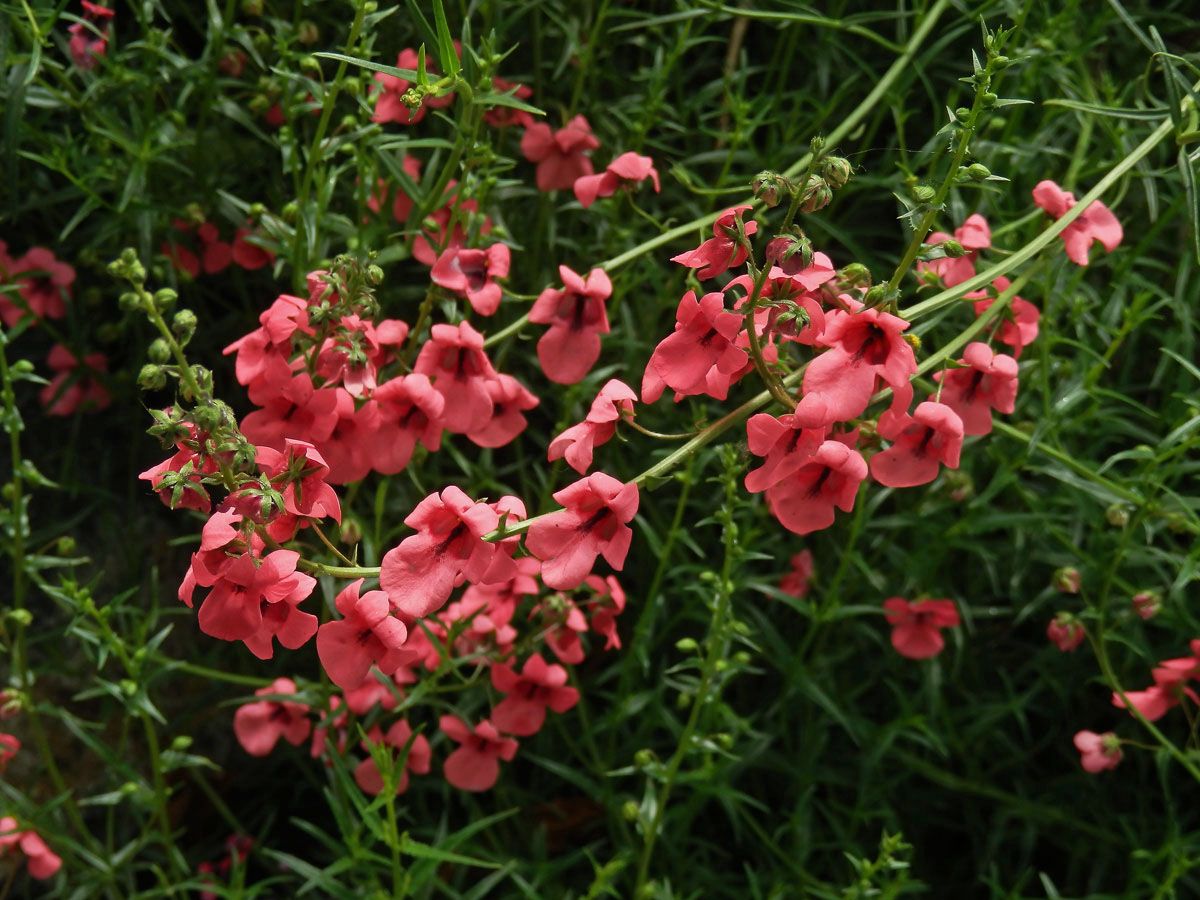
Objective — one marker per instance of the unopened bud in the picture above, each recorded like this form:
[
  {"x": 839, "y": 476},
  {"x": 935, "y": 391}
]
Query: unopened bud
[
  {"x": 630, "y": 811},
  {"x": 923, "y": 193},
  {"x": 159, "y": 351},
  {"x": 152, "y": 378},
  {"x": 374, "y": 275},
  {"x": 257, "y": 209},
  {"x": 181, "y": 743},
  {"x": 815, "y": 194},
  {"x": 290, "y": 210},
  {"x": 65, "y": 545},
  {"x": 769, "y": 187},
  {"x": 962, "y": 113},
  {"x": 687, "y": 645},
  {"x": 643, "y": 758},
  {"x": 953, "y": 249},
  {"x": 252, "y": 7},
  {"x": 207, "y": 418},
  {"x": 1147, "y": 603},
  {"x": 836, "y": 171},
  {"x": 877, "y": 296},
  {"x": 22, "y": 617},
  {"x": 308, "y": 33},
  {"x": 1117, "y": 515},
  {"x": 351, "y": 532},
  {"x": 1067, "y": 580},
  {"x": 855, "y": 275},
  {"x": 184, "y": 324},
  {"x": 724, "y": 740},
  {"x": 979, "y": 171}
]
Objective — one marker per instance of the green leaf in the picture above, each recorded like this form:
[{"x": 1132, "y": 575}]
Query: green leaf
[
  {"x": 1116, "y": 112},
  {"x": 1193, "y": 199},
  {"x": 416, "y": 849},
  {"x": 406, "y": 74},
  {"x": 446, "y": 55}
]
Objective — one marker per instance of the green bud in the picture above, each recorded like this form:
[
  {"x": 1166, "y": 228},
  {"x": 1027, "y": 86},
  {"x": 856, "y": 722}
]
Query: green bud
[
  {"x": 836, "y": 171},
  {"x": 374, "y": 275},
  {"x": 257, "y": 209},
  {"x": 742, "y": 658},
  {"x": 160, "y": 351},
  {"x": 923, "y": 193},
  {"x": 152, "y": 378},
  {"x": 724, "y": 740},
  {"x": 876, "y": 296},
  {"x": 962, "y": 113},
  {"x": 207, "y": 418},
  {"x": 1000, "y": 61},
  {"x": 184, "y": 324},
  {"x": 22, "y": 367},
  {"x": 370, "y": 6},
  {"x": 352, "y": 85},
  {"x": 683, "y": 701},
  {"x": 129, "y": 787},
  {"x": 1117, "y": 515},
  {"x": 65, "y": 545},
  {"x": 816, "y": 145},
  {"x": 22, "y": 617},
  {"x": 643, "y": 758},
  {"x": 351, "y": 532},
  {"x": 769, "y": 187},
  {"x": 128, "y": 686},
  {"x": 630, "y": 811},
  {"x": 815, "y": 194},
  {"x": 855, "y": 275},
  {"x": 978, "y": 171},
  {"x": 708, "y": 577},
  {"x": 989, "y": 99},
  {"x": 721, "y": 665},
  {"x": 290, "y": 211},
  {"x": 181, "y": 743},
  {"x": 687, "y": 645}
]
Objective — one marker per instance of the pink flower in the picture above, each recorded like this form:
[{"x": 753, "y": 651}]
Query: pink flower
[
  {"x": 454, "y": 359},
  {"x": 865, "y": 345},
  {"x": 796, "y": 582},
  {"x": 89, "y": 39},
  {"x": 472, "y": 274},
  {"x": 577, "y": 318},
  {"x": 561, "y": 156},
  {"x": 1020, "y": 320},
  {"x": 367, "y": 634},
  {"x": 804, "y": 501},
  {"x": 974, "y": 235},
  {"x": 606, "y": 603},
  {"x": 577, "y": 442},
  {"x": 260, "y": 725},
  {"x": 74, "y": 387},
  {"x": 41, "y": 861},
  {"x": 989, "y": 383},
  {"x": 704, "y": 339},
  {"x": 1066, "y": 632},
  {"x": 1096, "y": 223},
  {"x": 1168, "y": 689},
  {"x": 916, "y": 626},
  {"x": 417, "y": 758},
  {"x": 410, "y": 411},
  {"x": 475, "y": 765},
  {"x": 447, "y": 550},
  {"x": 389, "y": 103},
  {"x": 507, "y": 116},
  {"x": 593, "y": 523},
  {"x": 9, "y": 747},
  {"x": 1147, "y": 603},
  {"x": 932, "y": 434},
  {"x": 628, "y": 168},
  {"x": 538, "y": 686},
  {"x": 722, "y": 251},
  {"x": 1099, "y": 751},
  {"x": 786, "y": 446},
  {"x": 299, "y": 474},
  {"x": 42, "y": 290},
  {"x": 562, "y": 622},
  {"x": 250, "y": 256}
]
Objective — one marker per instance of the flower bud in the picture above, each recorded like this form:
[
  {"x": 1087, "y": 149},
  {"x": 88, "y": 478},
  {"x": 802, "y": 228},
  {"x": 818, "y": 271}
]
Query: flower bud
[
  {"x": 855, "y": 275},
  {"x": 923, "y": 193},
  {"x": 630, "y": 811},
  {"x": 1117, "y": 515},
  {"x": 953, "y": 249},
  {"x": 687, "y": 645},
  {"x": 962, "y": 113},
  {"x": 877, "y": 296},
  {"x": 724, "y": 740},
  {"x": 1067, "y": 580},
  {"x": 207, "y": 418},
  {"x": 152, "y": 378},
  {"x": 160, "y": 351},
  {"x": 742, "y": 658},
  {"x": 65, "y": 545},
  {"x": 769, "y": 187},
  {"x": 257, "y": 209},
  {"x": 836, "y": 171},
  {"x": 979, "y": 171},
  {"x": 1147, "y": 603},
  {"x": 22, "y": 617},
  {"x": 1066, "y": 632},
  {"x": 252, "y": 7},
  {"x": 815, "y": 194},
  {"x": 184, "y": 324},
  {"x": 181, "y": 743},
  {"x": 643, "y": 758},
  {"x": 374, "y": 275}
]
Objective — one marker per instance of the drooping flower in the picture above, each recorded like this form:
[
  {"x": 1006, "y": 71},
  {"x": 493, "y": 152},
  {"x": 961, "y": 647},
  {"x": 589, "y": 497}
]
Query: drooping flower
[
  {"x": 974, "y": 235},
  {"x": 593, "y": 523},
  {"x": 561, "y": 156},
  {"x": 1096, "y": 223},
  {"x": 447, "y": 550},
  {"x": 1099, "y": 751},
  {"x": 396, "y": 738},
  {"x": 804, "y": 501},
  {"x": 473, "y": 273},
  {"x": 260, "y": 725},
  {"x": 299, "y": 473},
  {"x": 576, "y": 444},
  {"x": 367, "y": 634},
  {"x": 628, "y": 168},
  {"x": 538, "y": 686},
  {"x": 722, "y": 251},
  {"x": 40, "y": 860},
  {"x": 577, "y": 317},
  {"x": 916, "y": 627},
  {"x": 933, "y": 434},
  {"x": 475, "y": 765},
  {"x": 989, "y": 384},
  {"x": 1066, "y": 632}
]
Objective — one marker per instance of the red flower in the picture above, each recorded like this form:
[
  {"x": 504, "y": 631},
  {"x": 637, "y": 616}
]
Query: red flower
[
  {"x": 722, "y": 251},
  {"x": 1096, "y": 223},
  {"x": 1066, "y": 632},
  {"x": 89, "y": 39},
  {"x": 865, "y": 345},
  {"x": 577, "y": 318},
  {"x": 260, "y": 725},
  {"x": 795, "y": 583},
  {"x": 417, "y": 759},
  {"x": 990, "y": 383},
  {"x": 509, "y": 399},
  {"x": 389, "y": 103},
  {"x": 561, "y": 156},
  {"x": 804, "y": 501},
  {"x": 538, "y": 686},
  {"x": 915, "y": 626},
  {"x": 367, "y": 634},
  {"x": 628, "y": 168},
  {"x": 593, "y": 523},
  {"x": 41, "y": 861},
  {"x": 250, "y": 257},
  {"x": 475, "y": 765},
  {"x": 454, "y": 359},
  {"x": 506, "y": 116},
  {"x": 932, "y": 434},
  {"x": 447, "y": 550},
  {"x": 409, "y": 410},
  {"x": 1099, "y": 751},
  {"x": 472, "y": 274},
  {"x": 42, "y": 292}
]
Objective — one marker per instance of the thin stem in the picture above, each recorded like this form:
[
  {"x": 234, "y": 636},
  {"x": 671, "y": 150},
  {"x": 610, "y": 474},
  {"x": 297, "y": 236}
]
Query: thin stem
[{"x": 324, "y": 540}]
